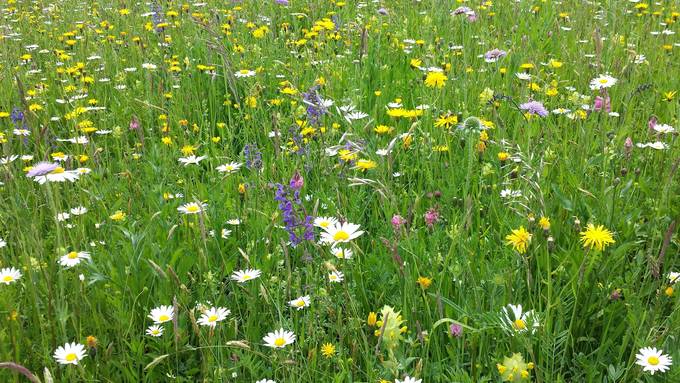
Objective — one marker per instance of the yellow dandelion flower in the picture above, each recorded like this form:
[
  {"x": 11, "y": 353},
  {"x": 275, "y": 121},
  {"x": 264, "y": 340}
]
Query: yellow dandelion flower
[{"x": 596, "y": 236}]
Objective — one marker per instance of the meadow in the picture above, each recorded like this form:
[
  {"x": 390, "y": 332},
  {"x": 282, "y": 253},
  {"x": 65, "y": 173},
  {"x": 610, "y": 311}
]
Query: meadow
[{"x": 339, "y": 191}]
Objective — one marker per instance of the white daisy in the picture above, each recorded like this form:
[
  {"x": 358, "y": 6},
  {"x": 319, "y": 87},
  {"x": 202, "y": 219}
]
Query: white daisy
[
  {"x": 234, "y": 221},
  {"x": 213, "y": 315},
  {"x": 63, "y": 216},
  {"x": 653, "y": 360},
  {"x": 664, "y": 128},
  {"x": 80, "y": 210},
  {"x": 408, "y": 379},
  {"x": 242, "y": 276},
  {"x": 191, "y": 160},
  {"x": 229, "y": 168},
  {"x": 162, "y": 314},
  {"x": 70, "y": 353},
  {"x": 602, "y": 81},
  {"x": 279, "y": 338},
  {"x": 325, "y": 222},
  {"x": 339, "y": 233},
  {"x": 243, "y": 73},
  {"x": 225, "y": 233},
  {"x": 2, "y": 243},
  {"x": 300, "y": 303},
  {"x": 9, "y": 275},
  {"x": 336, "y": 276},
  {"x": 523, "y": 76},
  {"x": 192, "y": 208},
  {"x": 673, "y": 277},
  {"x": 265, "y": 381},
  {"x": 341, "y": 253},
  {"x": 73, "y": 258},
  {"x": 57, "y": 175},
  {"x": 154, "y": 330},
  {"x": 515, "y": 320}
]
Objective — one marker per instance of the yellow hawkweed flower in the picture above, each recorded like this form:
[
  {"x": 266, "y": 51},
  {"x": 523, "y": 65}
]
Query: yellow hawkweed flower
[
  {"x": 328, "y": 350},
  {"x": 519, "y": 239},
  {"x": 596, "y": 236}
]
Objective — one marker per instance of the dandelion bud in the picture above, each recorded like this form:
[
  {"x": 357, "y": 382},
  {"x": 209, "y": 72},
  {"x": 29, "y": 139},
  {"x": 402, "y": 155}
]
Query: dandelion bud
[
  {"x": 617, "y": 181},
  {"x": 551, "y": 243},
  {"x": 637, "y": 171},
  {"x": 624, "y": 171},
  {"x": 669, "y": 291}
]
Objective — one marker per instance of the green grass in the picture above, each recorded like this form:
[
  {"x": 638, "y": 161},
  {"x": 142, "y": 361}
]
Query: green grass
[{"x": 574, "y": 171}]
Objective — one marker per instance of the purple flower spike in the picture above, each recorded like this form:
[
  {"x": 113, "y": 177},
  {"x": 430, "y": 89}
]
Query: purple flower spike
[{"x": 534, "y": 107}]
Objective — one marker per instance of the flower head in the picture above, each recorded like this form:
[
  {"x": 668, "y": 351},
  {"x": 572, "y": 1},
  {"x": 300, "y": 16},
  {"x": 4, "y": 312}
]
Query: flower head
[
  {"x": 242, "y": 276},
  {"x": 519, "y": 239},
  {"x": 341, "y": 232},
  {"x": 70, "y": 353},
  {"x": 154, "y": 330},
  {"x": 9, "y": 275},
  {"x": 162, "y": 314},
  {"x": 653, "y": 360},
  {"x": 279, "y": 338},
  {"x": 596, "y": 236},
  {"x": 213, "y": 315},
  {"x": 534, "y": 107}
]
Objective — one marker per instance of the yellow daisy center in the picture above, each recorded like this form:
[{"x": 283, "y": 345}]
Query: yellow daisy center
[
  {"x": 324, "y": 224},
  {"x": 245, "y": 277},
  {"x": 300, "y": 303},
  {"x": 192, "y": 209},
  {"x": 58, "y": 170},
  {"x": 520, "y": 324},
  {"x": 341, "y": 235},
  {"x": 71, "y": 357},
  {"x": 279, "y": 342},
  {"x": 212, "y": 318},
  {"x": 333, "y": 277},
  {"x": 8, "y": 278},
  {"x": 603, "y": 81},
  {"x": 163, "y": 318},
  {"x": 72, "y": 255},
  {"x": 653, "y": 360}
]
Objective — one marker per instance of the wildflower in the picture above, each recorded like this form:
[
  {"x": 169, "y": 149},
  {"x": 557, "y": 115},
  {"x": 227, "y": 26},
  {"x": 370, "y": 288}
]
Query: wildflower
[
  {"x": 431, "y": 217},
  {"x": 229, "y": 168},
  {"x": 514, "y": 369},
  {"x": 341, "y": 253},
  {"x": 325, "y": 222},
  {"x": 300, "y": 303},
  {"x": 544, "y": 223},
  {"x": 519, "y": 239},
  {"x": 372, "y": 319},
  {"x": 70, "y": 353},
  {"x": 244, "y": 73},
  {"x": 162, "y": 314},
  {"x": 424, "y": 282},
  {"x": 192, "y": 208},
  {"x": 602, "y": 103},
  {"x": 534, "y": 108},
  {"x": 341, "y": 232},
  {"x": 673, "y": 277},
  {"x": 515, "y": 320},
  {"x": 336, "y": 277},
  {"x": 328, "y": 350},
  {"x": 456, "y": 330},
  {"x": 596, "y": 236},
  {"x": 494, "y": 55},
  {"x": 118, "y": 216},
  {"x": 242, "y": 276},
  {"x": 80, "y": 210},
  {"x": 48, "y": 172},
  {"x": 9, "y": 275},
  {"x": 191, "y": 160},
  {"x": 397, "y": 221},
  {"x": 435, "y": 79},
  {"x": 390, "y": 322},
  {"x": 154, "y": 330},
  {"x": 279, "y": 338},
  {"x": 294, "y": 215},
  {"x": 653, "y": 360},
  {"x": 73, "y": 258},
  {"x": 364, "y": 165},
  {"x": 602, "y": 81},
  {"x": 408, "y": 379},
  {"x": 212, "y": 316}
]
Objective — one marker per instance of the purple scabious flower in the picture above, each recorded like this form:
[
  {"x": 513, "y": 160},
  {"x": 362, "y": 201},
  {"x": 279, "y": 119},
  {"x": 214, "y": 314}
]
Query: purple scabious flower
[
  {"x": 382, "y": 11},
  {"x": 282, "y": 2},
  {"x": 534, "y": 107},
  {"x": 298, "y": 223},
  {"x": 41, "y": 168},
  {"x": 494, "y": 55},
  {"x": 456, "y": 330}
]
